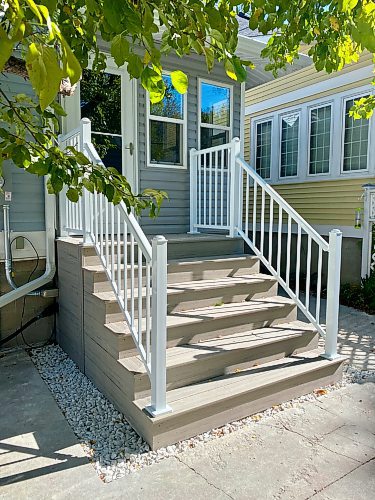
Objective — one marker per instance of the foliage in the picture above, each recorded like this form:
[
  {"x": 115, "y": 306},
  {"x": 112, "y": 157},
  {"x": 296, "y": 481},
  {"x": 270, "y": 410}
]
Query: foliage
[
  {"x": 360, "y": 296},
  {"x": 55, "y": 39}
]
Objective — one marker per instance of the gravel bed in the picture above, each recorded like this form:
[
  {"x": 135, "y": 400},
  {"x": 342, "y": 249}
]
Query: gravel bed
[{"x": 110, "y": 443}]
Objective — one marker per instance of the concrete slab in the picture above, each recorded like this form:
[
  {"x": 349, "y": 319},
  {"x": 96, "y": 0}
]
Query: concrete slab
[{"x": 37, "y": 445}]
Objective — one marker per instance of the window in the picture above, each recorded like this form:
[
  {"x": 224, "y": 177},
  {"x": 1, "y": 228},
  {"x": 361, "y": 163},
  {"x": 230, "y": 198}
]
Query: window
[
  {"x": 289, "y": 145},
  {"x": 215, "y": 114},
  {"x": 320, "y": 140},
  {"x": 100, "y": 96},
  {"x": 263, "y": 149},
  {"x": 355, "y": 141},
  {"x": 167, "y": 128}
]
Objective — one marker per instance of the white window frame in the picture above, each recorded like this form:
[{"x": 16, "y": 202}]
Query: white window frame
[
  {"x": 254, "y": 143},
  {"x": 281, "y": 116},
  {"x": 337, "y": 101},
  {"x": 181, "y": 121},
  {"x": 310, "y": 109},
  {"x": 209, "y": 125},
  {"x": 343, "y": 108}
]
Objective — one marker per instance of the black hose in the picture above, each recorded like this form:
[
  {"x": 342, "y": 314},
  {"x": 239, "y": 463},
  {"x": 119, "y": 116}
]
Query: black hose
[{"x": 48, "y": 311}]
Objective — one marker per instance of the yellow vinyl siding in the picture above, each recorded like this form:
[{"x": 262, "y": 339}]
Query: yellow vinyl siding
[
  {"x": 302, "y": 78},
  {"x": 331, "y": 203},
  {"x": 325, "y": 202}
]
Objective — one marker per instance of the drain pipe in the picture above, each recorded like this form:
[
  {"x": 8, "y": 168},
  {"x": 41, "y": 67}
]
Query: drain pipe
[{"x": 33, "y": 287}]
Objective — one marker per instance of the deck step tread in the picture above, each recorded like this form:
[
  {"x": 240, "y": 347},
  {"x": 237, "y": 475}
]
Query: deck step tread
[
  {"x": 213, "y": 312},
  {"x": 219, "y": 346},
  {"x": 191, "y": 286},
  {"x": 189, "y": 398},
  {"x": 186, "y": 262}
]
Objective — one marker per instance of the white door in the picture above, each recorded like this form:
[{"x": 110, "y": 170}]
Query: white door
[{"x": 109, "y": 101}]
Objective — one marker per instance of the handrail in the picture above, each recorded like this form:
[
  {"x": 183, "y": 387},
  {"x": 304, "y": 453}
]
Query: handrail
[
  {"x": 136, "y": 270},
  {"x": 252, "y": 202},
  {"x": 288, "y": 208}
]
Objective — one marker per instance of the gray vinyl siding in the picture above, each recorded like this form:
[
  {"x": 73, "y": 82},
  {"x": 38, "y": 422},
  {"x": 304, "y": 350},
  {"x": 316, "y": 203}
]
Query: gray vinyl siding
[
  {"x": 27, "y": 205},
  {"x": 174, "y": 216}
]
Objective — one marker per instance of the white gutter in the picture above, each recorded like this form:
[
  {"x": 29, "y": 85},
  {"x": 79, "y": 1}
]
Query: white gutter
[{"x": 49, "y": 273}]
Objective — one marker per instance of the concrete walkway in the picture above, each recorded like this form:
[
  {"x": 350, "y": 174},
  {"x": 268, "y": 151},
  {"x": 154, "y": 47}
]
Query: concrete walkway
[{"x": 323, "y": 449}]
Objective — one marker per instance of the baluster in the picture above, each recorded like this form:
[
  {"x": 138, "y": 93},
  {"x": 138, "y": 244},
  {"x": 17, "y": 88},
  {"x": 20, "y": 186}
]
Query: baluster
[
  {"x": 204, "y": 190},
  {"x": 148, "y": 309},
  {"x": 96, "y": 218},
  {"x": 106, "y": 233},
  {"x": 198, "y": 159},
  {"x": 288, "y": 245},
  {"x": 132, "y": 280},
  {"x": 140, "y": 304},
  {"x": 270, "y": 233},
  {"x": 255, "y": 189},
  {"x": 262, "y": 220},
  {"x": 222, "y": 163},
  {"x": 101, "y": 223},
  {"x": 216, "y": 187},
  {"x": 308, "y": 272},
  {"x": 125, "y": 238},
  {"x": 112, "y": 244},
  {"x": 210, "y": 155},
  {"x": 118, "y": 229},
  {"x": 247, "y": 206},
  {"x": 319, "y": 285},
  {"x": 298, "y": 261},
  {"x": 279, "y": 231}
]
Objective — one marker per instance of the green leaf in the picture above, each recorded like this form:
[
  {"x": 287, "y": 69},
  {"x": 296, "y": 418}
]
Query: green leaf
[
  {"x": 72, "y": 195},
  {"x": 229, "y": 69},
  {"x": 81, "y": 158},
  {"x": 210, "y": 58},
  {"x": 239, "y": 69},
  {"x": 44, "y": 72},
  {"x": 120, "y": 49},
  {"x": 6, "y": 49},
  {"x": 71, "y": 66},
  {"x": 135, "y": 65},
  {"x": 88, "y": 184},
  {"x": 180, "y": 81},
  {"x": 59, "y": 110}
]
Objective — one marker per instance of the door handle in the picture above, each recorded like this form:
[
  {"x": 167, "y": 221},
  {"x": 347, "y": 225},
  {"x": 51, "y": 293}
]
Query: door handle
[{"x": 130, "y": 148}]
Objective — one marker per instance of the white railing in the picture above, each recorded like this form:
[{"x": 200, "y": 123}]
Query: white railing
[
  {"x": 292, "y": 251},
  {"x": 136, "y": 269}
]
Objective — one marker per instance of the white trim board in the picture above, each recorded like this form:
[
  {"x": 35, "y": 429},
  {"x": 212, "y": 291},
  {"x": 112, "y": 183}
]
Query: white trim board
[{"x": 331, "y": 83}]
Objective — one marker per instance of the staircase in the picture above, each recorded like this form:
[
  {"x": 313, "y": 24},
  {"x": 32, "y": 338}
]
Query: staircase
[
  {"x": 193, "y": 342},
  {"x": 234, "y": 346}
]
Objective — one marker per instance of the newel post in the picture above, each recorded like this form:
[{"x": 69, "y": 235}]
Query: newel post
[
  {"x": 85, "y": 138},
  {"x": 333, "y": 293},
  {"x": 159, "y": 328},
  {"x": 235, "y": 184}
]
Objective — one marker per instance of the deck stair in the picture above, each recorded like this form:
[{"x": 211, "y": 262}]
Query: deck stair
[{"x": 234, "y": 346}]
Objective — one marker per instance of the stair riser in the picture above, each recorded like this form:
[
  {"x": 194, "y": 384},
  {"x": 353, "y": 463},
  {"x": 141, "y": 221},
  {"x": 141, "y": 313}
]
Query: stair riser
[
  {"x": 96, "y": 281},
  {"x": 214, "y": 415},
  {"x": 205, "y": 368},
  {"x": 186, "y": 249}
]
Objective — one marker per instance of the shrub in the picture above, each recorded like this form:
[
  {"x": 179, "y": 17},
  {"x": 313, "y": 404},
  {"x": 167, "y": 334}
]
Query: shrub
[{"x": 360, "y": 296}]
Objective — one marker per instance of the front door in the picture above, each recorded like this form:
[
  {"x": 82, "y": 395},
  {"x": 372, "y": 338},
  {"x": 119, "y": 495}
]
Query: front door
[{"x": 108, "y": 100}]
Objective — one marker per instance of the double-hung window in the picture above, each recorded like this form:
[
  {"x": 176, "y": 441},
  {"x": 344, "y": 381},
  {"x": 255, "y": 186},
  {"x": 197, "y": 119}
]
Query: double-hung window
[
  {"x": 167, "y": 129},
  {"x": 263, "y": 148},
  {"x": 320, "y": 140},
  {"x": 215, "y": 114},
  {"x": 289, "y": 145},
  {"x": 356, "y": 138}
]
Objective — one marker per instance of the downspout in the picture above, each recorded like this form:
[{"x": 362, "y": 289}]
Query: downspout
[{"x": 33, "y": 287}]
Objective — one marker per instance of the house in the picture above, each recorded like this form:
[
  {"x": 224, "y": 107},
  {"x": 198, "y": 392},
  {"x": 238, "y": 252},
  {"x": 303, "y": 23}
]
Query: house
[
  {"x": 300, "y": 138},
  {"x": 181, "y": 331}
]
